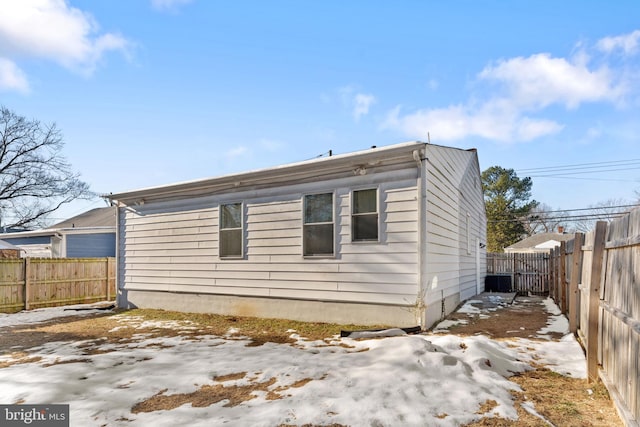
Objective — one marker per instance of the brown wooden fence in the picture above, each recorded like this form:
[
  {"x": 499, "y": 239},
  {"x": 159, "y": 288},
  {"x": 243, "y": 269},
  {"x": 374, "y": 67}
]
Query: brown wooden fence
[
  {"x": 596, "y": 283},
  {"x": 529, "y": 273},
  {"x": 28, "y": 283}
]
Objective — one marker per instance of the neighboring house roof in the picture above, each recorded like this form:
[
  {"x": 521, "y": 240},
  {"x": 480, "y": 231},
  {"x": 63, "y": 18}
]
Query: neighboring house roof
[
  {"x": 99, "y": 220},
  {"x": 540, "y": 241},
  {"x": 98, "y": 217},
  {"x": 5, "y": 245}
]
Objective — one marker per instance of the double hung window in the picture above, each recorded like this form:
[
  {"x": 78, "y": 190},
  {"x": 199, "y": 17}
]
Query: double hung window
[
  {"x": 231, "y": 230},
  {"x": 364, "y": 215},
  {"x": 318, "y": 225}
]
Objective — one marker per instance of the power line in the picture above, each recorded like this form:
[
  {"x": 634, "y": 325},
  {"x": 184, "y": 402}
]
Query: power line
[
  {"x": 594, "y": 165},
  {"x": 568, "y": 218},
  {"x": 588, "y": 209},
  {"x": 591, "y": 214},
  {"x": 586, "y": 179},
  {"x": 592, "y": 168}
]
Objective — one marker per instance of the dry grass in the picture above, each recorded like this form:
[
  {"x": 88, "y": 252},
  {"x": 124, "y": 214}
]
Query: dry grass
[
  {"x": 205, "y": 396},
  {"x": 208, "y": 395},
  {"x": 562, "y": 401},
  {"x": 109, "y": 328}
]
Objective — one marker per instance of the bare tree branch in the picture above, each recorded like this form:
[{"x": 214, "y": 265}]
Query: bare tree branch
[{"x": 35, "y": 178}]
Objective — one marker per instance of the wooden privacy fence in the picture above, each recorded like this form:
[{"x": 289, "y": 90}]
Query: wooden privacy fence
[
  {"x": 596, "y": 283},
  {"x": 28, "y": 283},
  {"x": 528, "y": 272}
]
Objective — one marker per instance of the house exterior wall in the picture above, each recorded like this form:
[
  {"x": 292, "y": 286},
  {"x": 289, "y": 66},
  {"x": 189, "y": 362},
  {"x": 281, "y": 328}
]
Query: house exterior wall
[
  {"x": 456, "y": 225},
  {"x": 169, "y": 240},
  {"x": 90, "y": 245},
  {"x": 173, "y": 247}
]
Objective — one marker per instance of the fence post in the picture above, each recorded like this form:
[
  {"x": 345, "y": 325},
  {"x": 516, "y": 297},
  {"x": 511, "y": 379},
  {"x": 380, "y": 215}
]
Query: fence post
[
  {"x": 27, "y": 284},
  {"x": 562, "y": 277},
  {"x": 106, "y": 278},
  {"x": 552, "y": 273},
  {"x": 576, "y": 276},
  {"x": 594, "y": 300}
]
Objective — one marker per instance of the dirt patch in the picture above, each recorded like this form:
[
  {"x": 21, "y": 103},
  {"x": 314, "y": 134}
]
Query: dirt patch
[{"x": 522, "y": 319}]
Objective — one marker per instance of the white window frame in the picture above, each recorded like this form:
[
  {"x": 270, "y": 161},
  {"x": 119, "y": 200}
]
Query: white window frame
[
  {"x": 221, "y": 229},
  {"x": 332, "y": 223},
  {"x": 376, "y": 213}
]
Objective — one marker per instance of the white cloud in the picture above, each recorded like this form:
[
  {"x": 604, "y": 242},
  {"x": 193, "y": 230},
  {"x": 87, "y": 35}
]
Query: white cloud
[
  {"x": 12, "y": 77},
  {"x": 237, "y": 151},
  {"x": 627, "y": 43},
  {"x": 358, "y": 103},
  {"x": 540, "y": 80},
  {"x": 458, "y": 122},
  {"x": 362, "y": 103},
  {"x": 512, "y": 92},
  {"x": 55, "y": 31},
  {"x": 169, "y": 5}
]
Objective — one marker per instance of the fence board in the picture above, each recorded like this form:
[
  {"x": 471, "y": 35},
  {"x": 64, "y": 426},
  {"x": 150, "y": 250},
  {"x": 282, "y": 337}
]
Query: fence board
[
  {"x": 529, "y": 272},
  {"x": 46, "y": 282},
  {"x": 595, "y": 280},
  {"x": 605, "y": 269}
]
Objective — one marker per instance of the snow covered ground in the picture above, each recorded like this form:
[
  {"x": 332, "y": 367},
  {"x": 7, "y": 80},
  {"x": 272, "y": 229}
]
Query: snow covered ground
[{"x": 410, "y": 380}]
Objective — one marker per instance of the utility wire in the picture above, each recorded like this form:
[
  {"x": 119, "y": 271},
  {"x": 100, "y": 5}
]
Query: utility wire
[
  {"x": 594, "y": 165},
  {"x": 589, "y": 209},
  {"x": 584, "y": 217},
  {"x": 569, "y": 171}
]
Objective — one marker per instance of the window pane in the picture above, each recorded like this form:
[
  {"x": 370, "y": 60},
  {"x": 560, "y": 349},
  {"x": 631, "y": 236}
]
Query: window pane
[
  {"x": 318, "y": 239},
  {"x": 231, "y": 215},
  {"x": 318, "y": 208},
  {"x": 364, "y": 201},
  {"x": 365, "y": 227},
  {"x": 230, "y": 243}
]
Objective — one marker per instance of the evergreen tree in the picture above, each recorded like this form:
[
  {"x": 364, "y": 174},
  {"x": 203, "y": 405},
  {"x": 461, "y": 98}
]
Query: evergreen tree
[{"x": 507, "y": 200}]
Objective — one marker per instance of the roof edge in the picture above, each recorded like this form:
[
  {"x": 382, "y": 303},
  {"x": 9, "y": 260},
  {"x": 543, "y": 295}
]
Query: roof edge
[{"x": 338, "y": 160}]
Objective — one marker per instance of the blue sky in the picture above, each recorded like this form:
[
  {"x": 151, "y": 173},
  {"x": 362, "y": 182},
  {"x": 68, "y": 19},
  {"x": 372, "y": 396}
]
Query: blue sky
[{"x": 152, "y": 92}]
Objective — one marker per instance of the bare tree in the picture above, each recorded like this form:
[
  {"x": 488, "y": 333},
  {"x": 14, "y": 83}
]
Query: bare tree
[
  {"x": 35, "y": 178},
  {"x": 603, "y": 211},
  {"x": 541, "y": 219}
]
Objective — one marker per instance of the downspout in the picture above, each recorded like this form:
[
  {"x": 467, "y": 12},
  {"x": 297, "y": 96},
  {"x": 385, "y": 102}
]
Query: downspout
[
  {"x": 117, "y": 267},
  {"x": 420, "y": 303}
]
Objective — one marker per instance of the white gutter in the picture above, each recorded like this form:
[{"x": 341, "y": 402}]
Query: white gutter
[{"x": 422, "y": 226}]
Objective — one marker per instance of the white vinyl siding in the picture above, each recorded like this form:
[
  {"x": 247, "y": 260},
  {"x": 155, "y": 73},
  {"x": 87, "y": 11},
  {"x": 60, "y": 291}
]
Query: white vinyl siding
[
  {"x": 174, "y": 246},
  {"x": 453, "y": 192}
]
